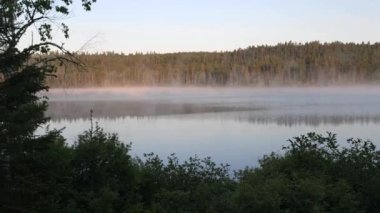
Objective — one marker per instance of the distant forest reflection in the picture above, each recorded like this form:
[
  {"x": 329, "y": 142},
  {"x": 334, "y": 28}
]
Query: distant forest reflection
[{"x": 73, "y": 110}]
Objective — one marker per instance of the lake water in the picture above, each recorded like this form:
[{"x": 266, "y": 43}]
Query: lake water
[{"x": 232, "y": 125}]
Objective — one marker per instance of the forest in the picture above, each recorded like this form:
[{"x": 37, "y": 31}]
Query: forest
[{"x": 285, "y": 64}]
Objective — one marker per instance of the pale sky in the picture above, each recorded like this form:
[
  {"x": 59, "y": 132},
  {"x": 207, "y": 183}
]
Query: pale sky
[{"x": 213, "y": 25}]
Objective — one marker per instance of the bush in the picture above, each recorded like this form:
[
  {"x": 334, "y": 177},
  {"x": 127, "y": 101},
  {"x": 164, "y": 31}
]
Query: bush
[
  {"x": 314, "y": 175},
  {"x": 104, "y": 179}
]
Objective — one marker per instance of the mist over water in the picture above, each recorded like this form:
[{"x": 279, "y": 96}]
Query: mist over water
[{"x": 232, "y": 125}]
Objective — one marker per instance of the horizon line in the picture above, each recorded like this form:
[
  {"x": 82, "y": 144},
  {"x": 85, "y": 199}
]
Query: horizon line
[{"x": 299, "y": 43}]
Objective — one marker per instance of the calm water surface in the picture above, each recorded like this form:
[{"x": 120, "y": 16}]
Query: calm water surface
[{"x": 232, "y": 125}]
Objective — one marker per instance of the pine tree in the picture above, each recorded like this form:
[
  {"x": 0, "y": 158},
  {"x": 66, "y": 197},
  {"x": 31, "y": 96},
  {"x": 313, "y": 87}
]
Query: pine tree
[{"x": 28, "y": 170}]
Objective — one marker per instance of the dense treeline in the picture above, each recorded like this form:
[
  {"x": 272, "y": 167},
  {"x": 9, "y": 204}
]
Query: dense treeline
[
  {"x": 289, "y": 63},
  {"x": 97, "y": 174}
]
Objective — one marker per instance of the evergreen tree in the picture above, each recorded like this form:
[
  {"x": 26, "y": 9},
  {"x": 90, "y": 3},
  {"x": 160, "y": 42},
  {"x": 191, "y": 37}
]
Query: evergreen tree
[{"x": 26, "y": 171}]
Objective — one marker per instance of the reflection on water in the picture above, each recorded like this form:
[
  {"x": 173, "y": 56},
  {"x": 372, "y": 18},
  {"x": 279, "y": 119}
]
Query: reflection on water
[
  {"x": 116, "y": 109},
  {"x": 231, "y": 125},
  {"x": 310, "y": 115}
]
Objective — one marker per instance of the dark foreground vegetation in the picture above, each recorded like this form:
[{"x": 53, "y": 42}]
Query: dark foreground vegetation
[
  {"x": 97, "y": 174},
  {"x": 290, "y": 63}
]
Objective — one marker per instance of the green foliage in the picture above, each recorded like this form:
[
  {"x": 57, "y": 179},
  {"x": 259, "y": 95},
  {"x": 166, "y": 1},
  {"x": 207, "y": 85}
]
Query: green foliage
[
  {"x": 103, "y": 173},
  {"x": 196, "y": 185},
  {"x": 37, "y": 177},
  {"x": 35, "y": 172},
  {"x": 314, "y": 175},
  {"x": 22, "y": 110},
  {"x": 22, "y": 72},
  {"x": 17, "y": 16}
]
